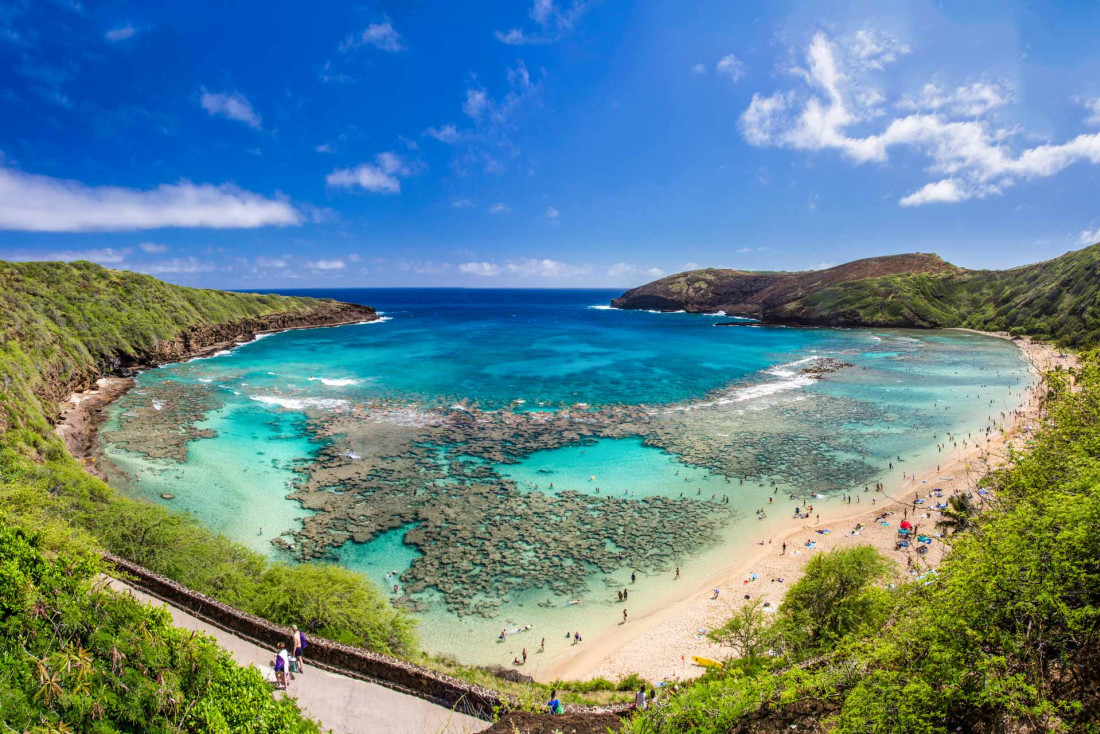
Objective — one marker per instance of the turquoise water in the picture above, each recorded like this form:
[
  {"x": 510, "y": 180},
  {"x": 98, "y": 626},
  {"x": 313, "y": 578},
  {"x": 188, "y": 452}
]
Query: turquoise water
[{"x": 732, "y": 400}]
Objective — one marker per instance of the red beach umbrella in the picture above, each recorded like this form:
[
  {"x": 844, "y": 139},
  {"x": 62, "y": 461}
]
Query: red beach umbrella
[{"x": 905, "y": 525}]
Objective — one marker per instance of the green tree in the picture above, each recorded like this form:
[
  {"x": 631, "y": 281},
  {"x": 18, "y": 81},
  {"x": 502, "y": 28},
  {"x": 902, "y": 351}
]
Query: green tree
[{"x": 836, "y": 596}]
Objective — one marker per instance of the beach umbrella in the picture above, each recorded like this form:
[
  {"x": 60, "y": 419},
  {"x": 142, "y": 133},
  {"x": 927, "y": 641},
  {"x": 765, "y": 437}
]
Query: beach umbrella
[{"x": 905, "y": 525}]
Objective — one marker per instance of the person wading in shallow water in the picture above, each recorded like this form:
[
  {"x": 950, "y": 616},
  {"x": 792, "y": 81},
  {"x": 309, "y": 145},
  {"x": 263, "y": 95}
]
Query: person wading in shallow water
[{"x": 624, "y": 616}]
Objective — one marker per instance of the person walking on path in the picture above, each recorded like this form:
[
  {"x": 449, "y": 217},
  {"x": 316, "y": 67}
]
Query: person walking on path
[
  {"x": 299, "y": 644},
  {"x": 280, "y": 667}
]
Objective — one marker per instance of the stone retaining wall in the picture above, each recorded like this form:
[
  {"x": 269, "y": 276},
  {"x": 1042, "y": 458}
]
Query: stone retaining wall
[{"x": 355, "y": 662}]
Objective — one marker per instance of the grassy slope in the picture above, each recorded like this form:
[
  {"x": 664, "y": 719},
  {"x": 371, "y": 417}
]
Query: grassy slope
[
  {"x": 1057, "y": 300},
  {"x": 1003, "y": 637},
  {"x": 64, "y": 324}
]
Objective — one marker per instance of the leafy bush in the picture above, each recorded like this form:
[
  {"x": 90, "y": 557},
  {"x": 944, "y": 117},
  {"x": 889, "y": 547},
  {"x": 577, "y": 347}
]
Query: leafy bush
[{"x": 74, "y": 657}]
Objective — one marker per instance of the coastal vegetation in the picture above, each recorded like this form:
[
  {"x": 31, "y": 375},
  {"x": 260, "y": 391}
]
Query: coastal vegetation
[
  {"x": 1001, "y": 637},
  {"x": 1057, "y": 300},
  {"x": 63, "y": 326},
  {"x": 76, "y": 657}
]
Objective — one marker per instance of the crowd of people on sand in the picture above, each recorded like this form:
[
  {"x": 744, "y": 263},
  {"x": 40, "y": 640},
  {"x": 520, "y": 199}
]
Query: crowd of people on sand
[{"x": 289, "y": 661}]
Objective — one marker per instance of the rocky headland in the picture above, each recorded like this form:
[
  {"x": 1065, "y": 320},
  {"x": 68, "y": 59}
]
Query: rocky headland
[{"x": 1052, "y": 300}]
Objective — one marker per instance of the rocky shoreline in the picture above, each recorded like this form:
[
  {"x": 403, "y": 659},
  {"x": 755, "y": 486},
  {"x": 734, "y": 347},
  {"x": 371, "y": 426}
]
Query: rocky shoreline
[{"x": 81, "y": 411}]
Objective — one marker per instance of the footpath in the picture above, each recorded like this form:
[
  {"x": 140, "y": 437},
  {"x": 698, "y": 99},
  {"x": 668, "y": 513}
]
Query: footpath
[{"x": 344, "y": 705}]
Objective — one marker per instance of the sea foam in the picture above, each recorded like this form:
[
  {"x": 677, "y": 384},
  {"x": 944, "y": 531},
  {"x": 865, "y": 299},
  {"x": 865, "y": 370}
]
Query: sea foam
[
  {"x": 335, "y": 382},
  {"x": 280, "y": 401}
]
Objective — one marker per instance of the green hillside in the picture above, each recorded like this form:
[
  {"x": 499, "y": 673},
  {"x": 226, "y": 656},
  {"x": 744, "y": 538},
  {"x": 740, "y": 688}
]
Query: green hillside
[
  {"x": 64, "y": 325},
  {"x": 1058, "y": 300}
]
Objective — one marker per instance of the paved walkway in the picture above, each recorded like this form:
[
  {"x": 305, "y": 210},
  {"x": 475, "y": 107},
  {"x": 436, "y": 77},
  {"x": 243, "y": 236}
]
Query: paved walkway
[{"x": 344, "y": 705}]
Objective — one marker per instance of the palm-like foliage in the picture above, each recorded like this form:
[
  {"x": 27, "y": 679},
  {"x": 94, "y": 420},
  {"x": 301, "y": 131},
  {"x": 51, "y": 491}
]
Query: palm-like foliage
[{"x": 958, "y": 515}]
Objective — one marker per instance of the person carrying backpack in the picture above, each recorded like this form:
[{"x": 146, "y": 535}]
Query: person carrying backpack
[{"x": 299, "y": 644}]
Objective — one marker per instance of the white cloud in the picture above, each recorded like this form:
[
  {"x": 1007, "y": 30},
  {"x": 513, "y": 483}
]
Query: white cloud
[
  {"x": 698, "y": 69},
  {"x": 104, "y": 256},
  {"x": 33, "y": 203},
  {"x": 971, "y": 100},
  {"x": 552, "y": 213},
  {"x": 176, "y": 265},
  {"x": 326, "y": 265},
  {"x": 622, "y": 270},
  {"x": 381, "y": 177},
  {"x": 463, "y": 203},
  {"x": 1093, "y": 106},
  {"x": 272, "y": 263},
  {"x": 233, "y": 105},
  {"x": 554, "y": 23},
  {"x": 354, "y": 257},
  {"x": 974, "y": 157},
  {"x": 446, "y": 134},
  {"x": 380, "y": 35},
  {"x": 527, "y": 268},
  {"x": 482, "y": 269},
  {"x": 731, "y": 66},
  {"x": 153, "y": 248},
  {"x": 476, "y": 102},
  {"x": 323, "y": 148},
  {"x": 875, "y": 49},
  {"x": 690, "y": 266},
  {"x": 499, "y": 208},
  {"x": 1088, "y": 236},
  {"x": 121, "y": 34}
]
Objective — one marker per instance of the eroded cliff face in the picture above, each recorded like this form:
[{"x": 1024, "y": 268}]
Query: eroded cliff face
[
  {"x": 202, "y": 338},
  {"x": 197, "y": 341}
]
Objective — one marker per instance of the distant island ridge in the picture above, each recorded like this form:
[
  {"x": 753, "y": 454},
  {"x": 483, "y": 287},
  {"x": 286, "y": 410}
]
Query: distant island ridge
[{"x": 1056, "y": 299}]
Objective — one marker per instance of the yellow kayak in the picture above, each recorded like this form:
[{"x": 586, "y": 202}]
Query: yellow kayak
[{"x": 706, "y": 662}]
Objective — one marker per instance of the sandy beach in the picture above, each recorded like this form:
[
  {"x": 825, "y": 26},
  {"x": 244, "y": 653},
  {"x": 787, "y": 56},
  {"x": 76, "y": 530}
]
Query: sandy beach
[{"x": 659, "y": 644}]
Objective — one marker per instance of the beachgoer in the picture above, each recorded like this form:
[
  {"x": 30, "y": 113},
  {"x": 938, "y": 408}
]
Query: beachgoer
[
  {"x": 677, "y": 572},
  {"x": 626, "y": 594},
  {"x": 633, "y": 577},
  {"x": 716, "y": 592},
  {"x": 639, "y": 700},
  {"x": 299, "y": 643},
  {"x": 525, "y": 654},
  {"x": 620, "y": 595},
  {"x": 542, "y": 645},
  {"x": 281, "y": 660},
  {"x": 624, "y": 616},
  {"x": 554, "y": 705}
]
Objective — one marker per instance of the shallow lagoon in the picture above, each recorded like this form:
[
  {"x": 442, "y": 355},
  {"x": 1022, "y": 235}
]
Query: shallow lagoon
[{"x": 537, "y": 351}]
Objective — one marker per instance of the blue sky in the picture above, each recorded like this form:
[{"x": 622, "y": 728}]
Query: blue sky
[{"x": 544, "y": 143}]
